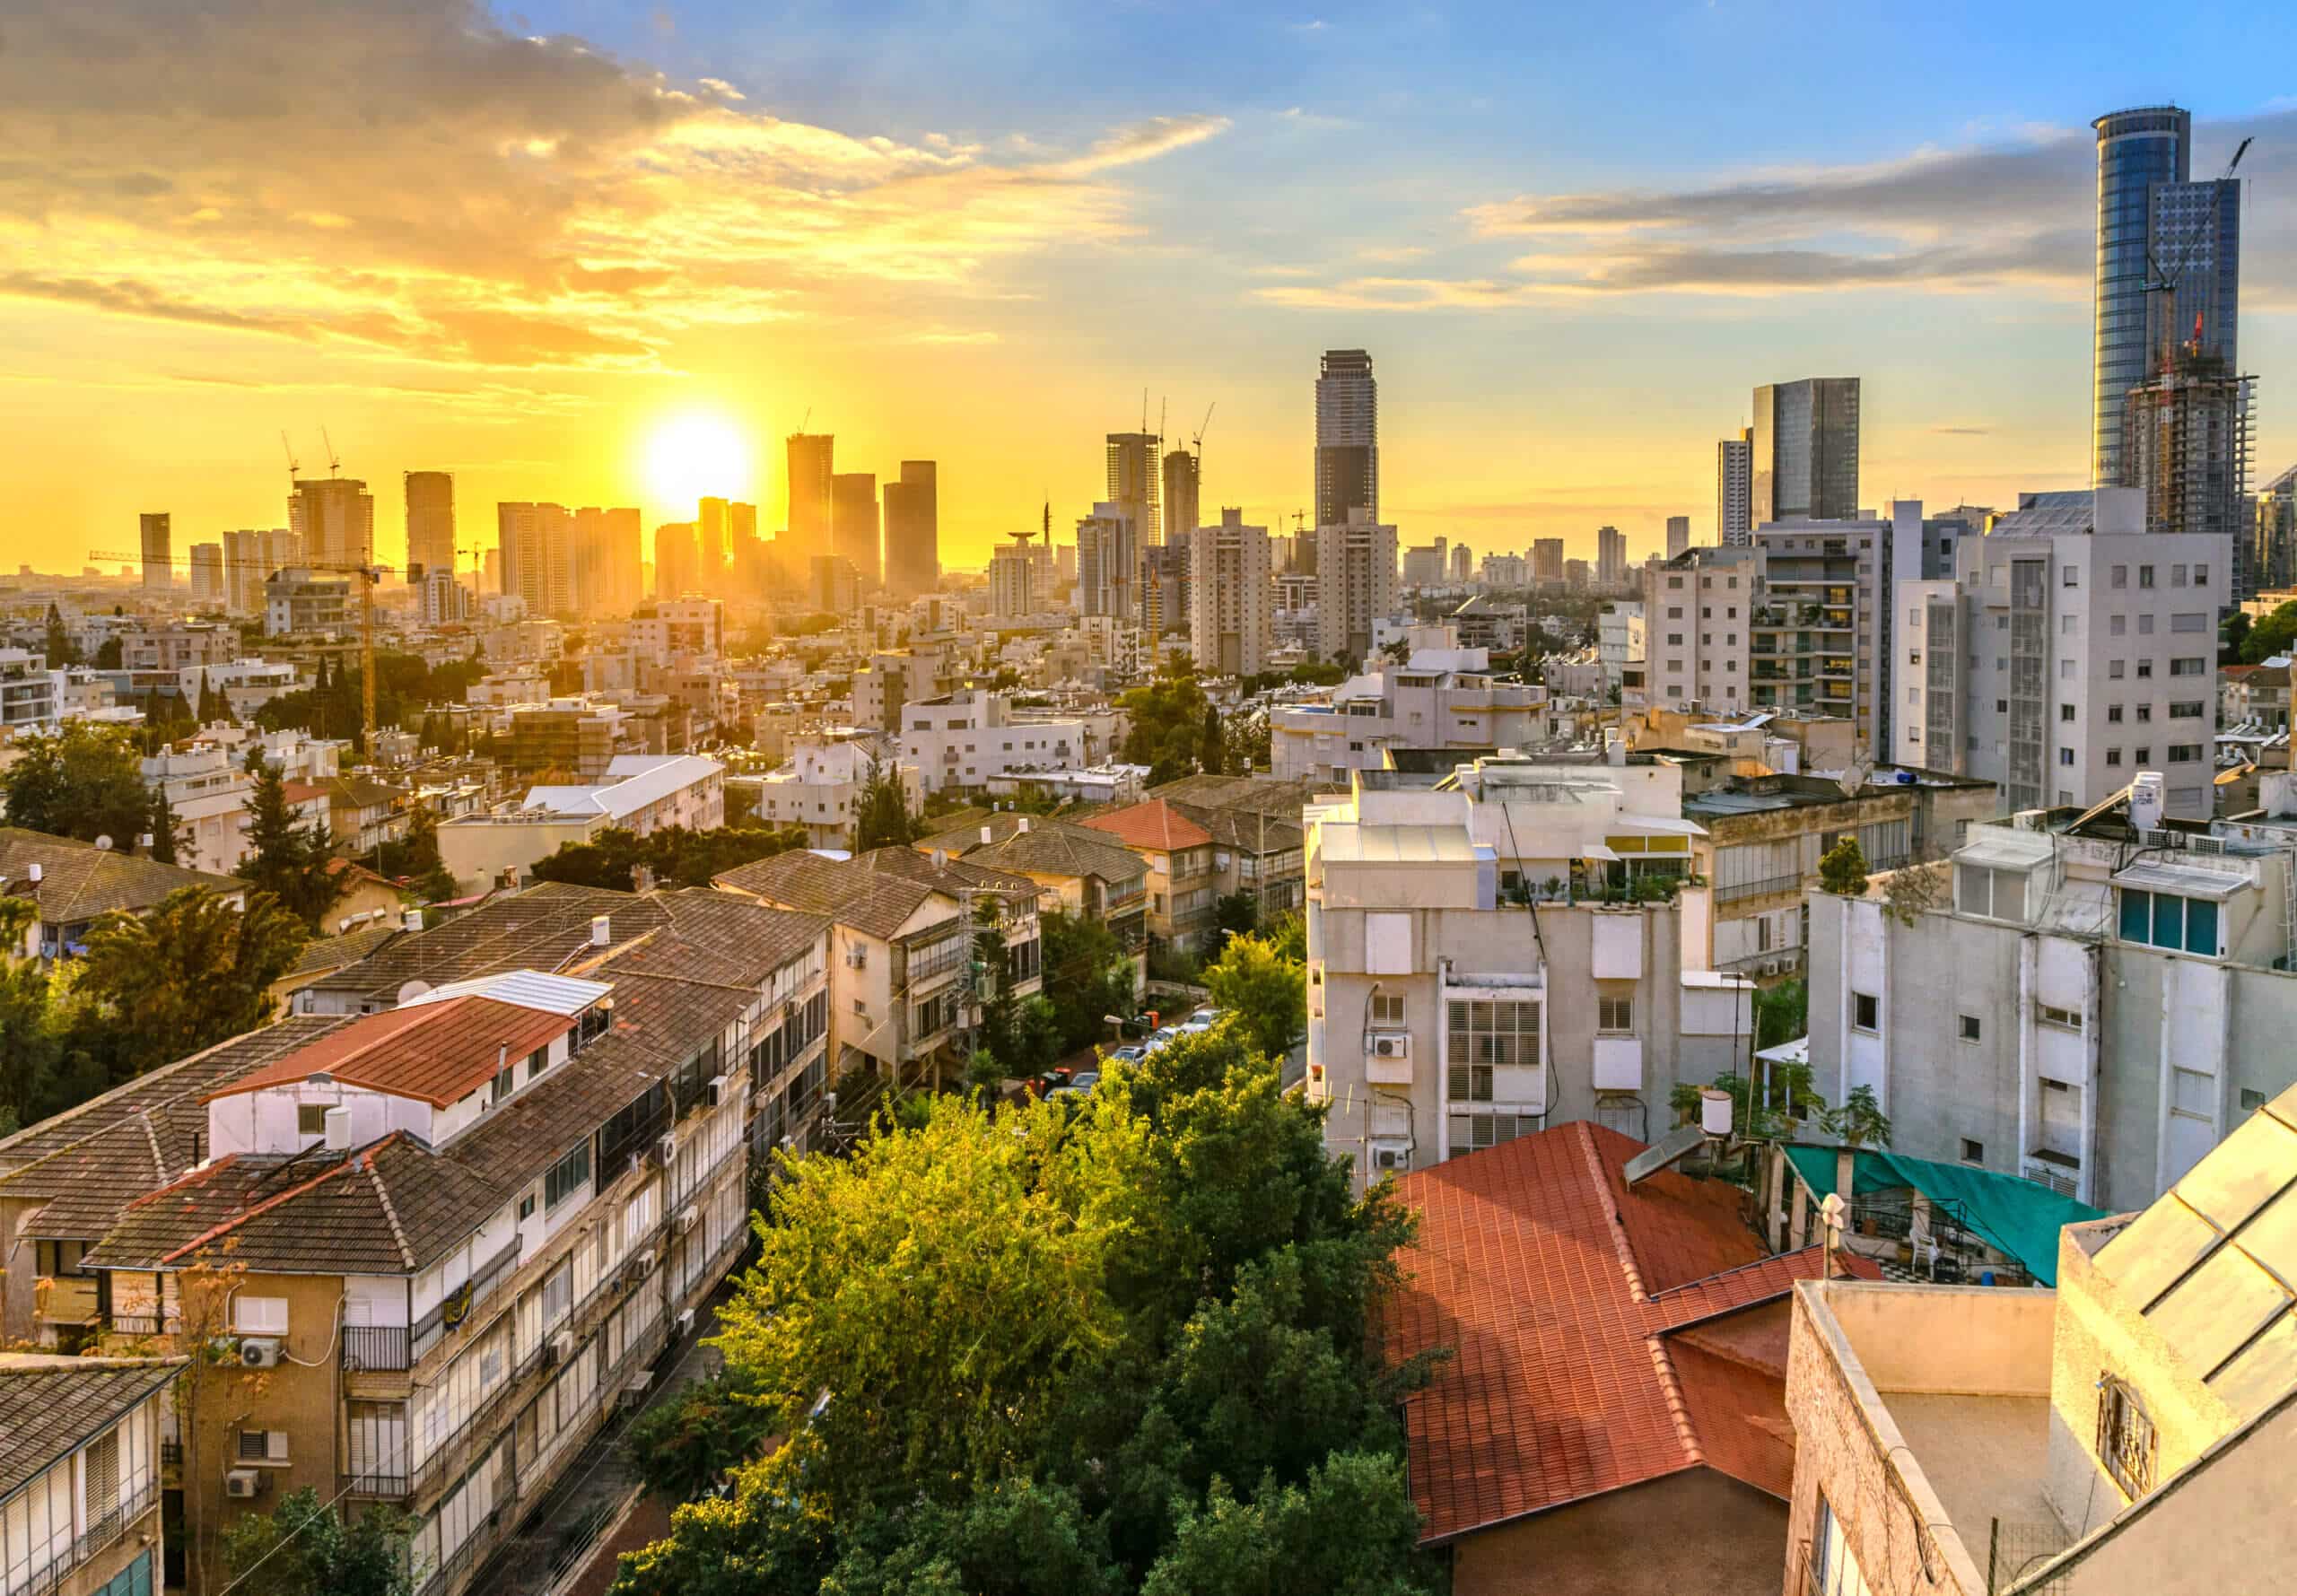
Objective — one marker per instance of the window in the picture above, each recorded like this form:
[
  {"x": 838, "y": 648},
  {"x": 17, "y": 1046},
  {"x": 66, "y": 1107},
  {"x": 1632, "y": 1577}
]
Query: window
[
  {"x": 2188, "y": 666},
  {"x": 2062, "y": 1019},
  {"x": 2113, "y": 670},
  {"x": 526, "y": 1207},
  {"x": 2071, "y": 577},
  {"x": 506, "y": 1081},
  {"x": 262, "y": 1446},
  {"x": 310, "y": 1118},
  {"x": 2117, "y": 626},
  {"x": 2145, "y": 669},
  {"x": 2120, "y": 576},
  {"x": 259, "y": 1315},
  {"x": 2251, "y": 1100},
  {"x": 2201, "y": 576},
  {"x": 1973, "y": 1152},
  {"x": 2145, "y": 576},
  {"x": 2113, "y": 756},
  {"x": 2185, "y": 709},
  {"x": 2066, "y": 756},
  {"x": 2145, "y": 713},
  {"x": 1485, "y": 1035},
  {"x": 1614, "y": 1014},
  {"x": 1969, "y": 1027},
  {"x": 2126, "y": 1444},
  {"x": 1834, "y": 1567},
  {"x": 1387, "y": 1010},
  {"x": 2146, "y": 626},
  {"x": 2145, "y": 754},
  {"x": 2189, "y": 621},
  {"x": 2184, "y": 753},
  {"x": 1866, "y": 1012},
  {"x": 2066, "y": 711},
  {"x": 569, "y": 1175}
]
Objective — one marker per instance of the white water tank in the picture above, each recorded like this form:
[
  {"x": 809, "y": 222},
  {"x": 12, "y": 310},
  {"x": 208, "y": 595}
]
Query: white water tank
[
  {"x": 1715, "y": 1112},
  {"x": 2146, "y": 801}
]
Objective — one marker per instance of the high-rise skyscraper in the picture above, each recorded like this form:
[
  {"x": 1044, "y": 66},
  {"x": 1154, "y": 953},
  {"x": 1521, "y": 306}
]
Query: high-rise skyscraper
[
  {"x": 250, "y": 558},
  {"x": 2186, "y": 447},
  {"x": 1132, "y": 484},
  {"x": 1735, "y": 522},
  {"x": 1355, "y": 584},
  {"x": 1231, "y": 597},
  {"x": 159, "y": 550},
  {"x": 1611, "y": 557},
  {"x": 2138, "y": 150},
  {"x": 334, "y": 516},
  {"x": 537, "y": 545},
  {"x": 1108, "y": 561},
  {"x": 1547, "y": 559},
  {"x": 1679, "y": 534},
  {"x": 712, "y": 537},
  {"x": 677, "y": 559},
  {"x": 912, "y": 530},
  {"x": 429, "y": 523},
  {"x": 206, "y": 576},
  {"x": 1804, "y": 451},
  {"x": 808, "y": 523},
  {"x": 606, "y": 562},
  {"x": 1181, "y": 485},
  {"x": 1348, "y": 440},
  {"x": 853, "y": 524}
]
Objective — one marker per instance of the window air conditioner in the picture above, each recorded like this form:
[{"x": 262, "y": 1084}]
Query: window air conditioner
[
  {"x": 666, "y": 1150},
  {"x": 719, "y": 1087},
  {"x": 1390, "y": 1159},
  {"x": 688, "y": 1217},
  {"x": 561, "y": 1349},
  {"x": 857, "y": 958}
]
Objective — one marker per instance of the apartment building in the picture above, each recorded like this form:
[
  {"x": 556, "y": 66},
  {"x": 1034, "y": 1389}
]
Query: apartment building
[
  {"x": 80, "y": 1475},
  {"x": 31, "y": 696},
  {"x": 1443, "y": 697},
  {"x": 1356, "y": 583},
  {"x": 1231, "y": 597},
  {"x": 73, "y": 885},
  {"x": 1822, "y": 638},
  {"x": 2074, "y": 998},
  {"x": 822, "y": 784},
  {"x": 639, "y": 793},
  {"x": 1183, "y": 884},
  {"x": 670, "y": 629},
  {"x": 903, "y": 995},
  {"x": 298, "y": 603},
  {"x": 2070, "y": 649},
  {"x": 1506, "y": 948},
  {"x": 1258, "y": 845},
  {"x": 2119, "y": 1434},
  {"x": 441, "y": 1240},
  {"x": 963, "y": 739},
  {"x": 1082, "y": 871},
  {"x": 1699, "y": 628}
]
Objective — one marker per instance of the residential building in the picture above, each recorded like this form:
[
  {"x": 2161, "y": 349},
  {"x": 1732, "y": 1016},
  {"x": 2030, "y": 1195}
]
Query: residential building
[
  {"x": 837, "y": 585},
  {"x": 810, "y": 517},
  {"x": 2107, "y": 1437},
  {"x": 1356, "y": 582},
  {"x": 1108, "y": 562},
  {"x": 963, "y": 739},
  {"x": 1133, "y": 483},
  {"x": 1698, "y": 635},
  {"x": 1678, "y": 534},
  {"x": 1257, "y": 840},
  {"x": 1167, "y": 591},
  {"x": 1734, "y": 501},
  {"x": 2252, "y": 700},
  {"x": 1232, "y": 601},
  {"x": 537, "y": 545},
  {"x": 711, "y": 538},
  {"x": 1578, "y": 576},
  {"x": 2071, "y": 649},
  {"x": 639, "y": 793},
  {"x": 672, "y": 629},
  {"x": 82, "y": 1480},
  {"x": 1182, "y": 884},
  {"x": 208, "y": 584},
  {"x": 1822, "y": 635},
  {"x": 1020, "y": 578},
  {"x": 1427, "y": 565},
  {"x": 884, "y": 686},
  {"x": 440, "y": 600},
  {"x": 854, "y": 532},
  {"x": 1348, "y": 446},
  {"x": 913, "y": 530},
  {"x": 31, "y": 694},
  {"x": 1547, "y": 559},
  {"x": 904, "y": 999},
  {"x": 250, "y": 558},
  {"x": 1622, "y": 642},
  {"x": 363, "y": 812},
  {"x": 1080, "y": 870},
  {"x": 468, "y": 1261},
  {"x": 1506, "y": 571},
  {"x": 678, "y": 560},
  {"x": 1654, "y": 1453},
  {"x": 75, "y": 884},
  {"x": 159, "y": 552},
  {"x": 1611, "y": 557},
  {"x": 606, "y": 581},
  {"x": 1803, "y": 451},
  {"x": 1503, "y": 947},
  {"x": 1444, "y": 698},
  {"x": 821, "y": 786},
  {"x": 429, "y": 523},
  {"x": 334, "y": 518},
  {"x": 207, "y": 787},
  {"x": 2068, "y": 1002},
  {"x": 1182, "y": 482}
]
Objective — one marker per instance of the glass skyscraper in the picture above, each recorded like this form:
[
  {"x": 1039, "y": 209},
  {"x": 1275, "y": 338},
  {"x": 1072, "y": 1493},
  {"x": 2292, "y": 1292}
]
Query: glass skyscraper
[
  {"x": 1803, "y": 452},
  {"x": 2137, "y": 151}
]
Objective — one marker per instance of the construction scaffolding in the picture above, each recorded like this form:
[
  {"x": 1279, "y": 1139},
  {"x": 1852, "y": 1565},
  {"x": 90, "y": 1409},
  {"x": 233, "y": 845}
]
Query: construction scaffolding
[{"x": 2186, "y": 445}]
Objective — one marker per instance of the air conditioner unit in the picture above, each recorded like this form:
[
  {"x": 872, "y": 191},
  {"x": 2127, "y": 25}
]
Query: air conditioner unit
[
  {"x": 721, "y": 1087},
  {"x": 2205, "y": 845},
  {"x": 259, "y": 1352},
  {"x": 685, "y": 1322},
  {"x": 1392, "y": 1047},
  {"x": 857, "y": 958},
  {"x": 1389, "y": 1157},
  {"x": 666, "y": 1150},
  {"x": 560, "y": 1347},
  {"x": 633, "y": 1395},
  {"x": 243, "y": 1482},
  {"x": 688, "y": 1217}
]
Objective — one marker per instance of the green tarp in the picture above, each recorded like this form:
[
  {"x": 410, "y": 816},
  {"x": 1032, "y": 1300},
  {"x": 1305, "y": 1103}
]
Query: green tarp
[{"x": 2020, "y": 1217}]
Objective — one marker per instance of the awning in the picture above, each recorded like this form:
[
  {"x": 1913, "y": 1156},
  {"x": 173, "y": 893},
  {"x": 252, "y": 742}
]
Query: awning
[
  {"x": 2187, "y": 881},
  {"x": 2020, "y": 1217},
  {"x": 1597, "y": 851}
]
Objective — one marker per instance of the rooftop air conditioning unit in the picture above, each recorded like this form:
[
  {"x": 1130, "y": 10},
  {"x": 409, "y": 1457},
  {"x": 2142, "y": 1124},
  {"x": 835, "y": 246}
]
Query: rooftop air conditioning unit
[
  {"x": 633, "y": 1395},
  {"x": 259, "y": 1352},
  {"x": 688, "y": 1217},
  {"x": 666, "y": 1150},
  {"x": 1392, "y": 1047},
  {"x": 242, "y": 1482},
  {"x": 720, "y": 1089}
]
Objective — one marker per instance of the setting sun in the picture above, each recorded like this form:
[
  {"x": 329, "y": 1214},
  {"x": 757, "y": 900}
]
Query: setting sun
[{"x": 694, "y": 455}]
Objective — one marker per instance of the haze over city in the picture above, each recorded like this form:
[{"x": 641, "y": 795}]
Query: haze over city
[{"x": 517, "y": 246}]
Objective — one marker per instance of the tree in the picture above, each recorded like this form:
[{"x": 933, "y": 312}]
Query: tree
[
  {"x": 195, "y": 971},
  {"x": 1211, "y": 747},
  {"x": 291, "y": 860},
  {"x": 29, "y": 1037},
  {"x": 1860, "y": 1121},
  {"x": 608, "y": 860},
  {"x": 1164, "y": 727},
  {"x": 82, "y": 781},
  {"x": 214, "y": 706},
  {"x": 303, "y": 1547},
  {"x": 881, "y": 816},
  {"x": 1842, "y": 870},
  {"x": 2276, "y": 634},
  {"x": 108, "y": 654},
  {"x": 2231, "y": 638},
  {"x": 1264, "y": 992},
  {"x": 685, "y": 1446},
  {"x": 427, "y": 869},
  {"x": 1236, "y": 914},
  {"x": 167, "y": 834},
  {"x": 1086, "y": 974},
  {"x": 62, "y": 650},
  {"x": 1781, "y": 1012},
  {"x": 1351, "y": 1530}
]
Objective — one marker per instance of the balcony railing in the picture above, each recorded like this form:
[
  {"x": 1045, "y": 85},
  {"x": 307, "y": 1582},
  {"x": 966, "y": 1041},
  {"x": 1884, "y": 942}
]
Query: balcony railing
[
  {"x": 376, "y": 1347},
  {"x": 100, "y": 1534},
  {"x": 463, "y": 1302}
]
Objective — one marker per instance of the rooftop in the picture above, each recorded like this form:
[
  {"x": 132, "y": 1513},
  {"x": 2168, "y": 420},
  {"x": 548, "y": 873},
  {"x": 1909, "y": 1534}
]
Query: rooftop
[
  {"x": 79, "y": 881},
  {"x": 438, "y": 1054},
  {"x": 49, "y": 1408},
  {"x": 1153, "y": 825}
]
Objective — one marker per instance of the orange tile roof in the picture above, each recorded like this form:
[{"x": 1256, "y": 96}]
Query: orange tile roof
[
  {"x": 1555, "y": 1288},
  {"x": 439, "y": 1052},
  {"x": 1153, "y": 825}
]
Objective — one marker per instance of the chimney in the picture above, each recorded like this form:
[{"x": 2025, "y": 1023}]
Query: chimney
[
  {"x": 338, "y": 1130},
  {"x": 601, "y": 931}
]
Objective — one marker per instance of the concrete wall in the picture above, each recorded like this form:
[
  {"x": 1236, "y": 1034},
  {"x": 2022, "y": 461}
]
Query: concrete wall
[{"x": 1692, "y": 1531}]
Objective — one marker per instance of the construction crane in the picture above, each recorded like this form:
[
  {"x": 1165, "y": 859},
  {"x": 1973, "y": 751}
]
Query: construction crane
[
  {"x": 367, "y": 575},
  {"x": 2165, "y": 280},
  {"x": 1197, "y": 442},
  {"x": 295, "y": 469},
  {"x": 334, "y": 461}
]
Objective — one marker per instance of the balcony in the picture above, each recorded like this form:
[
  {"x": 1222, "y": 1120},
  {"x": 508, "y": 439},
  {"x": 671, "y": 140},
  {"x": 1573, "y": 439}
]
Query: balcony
[
  {"x": 462, "y": 1303},
  {"x": 76, "y": 1554},
  {"x": 376, "y": 1347}
]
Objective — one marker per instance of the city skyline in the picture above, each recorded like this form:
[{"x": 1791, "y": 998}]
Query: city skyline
[{"x": 949, "y": 309}]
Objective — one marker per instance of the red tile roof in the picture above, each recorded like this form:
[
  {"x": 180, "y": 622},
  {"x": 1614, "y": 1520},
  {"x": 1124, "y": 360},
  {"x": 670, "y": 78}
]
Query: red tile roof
[
  {"x": 439, "y": 1052},
  {"x": 1154, "y": 824},
  {"x": 1555, "y": 1287}
]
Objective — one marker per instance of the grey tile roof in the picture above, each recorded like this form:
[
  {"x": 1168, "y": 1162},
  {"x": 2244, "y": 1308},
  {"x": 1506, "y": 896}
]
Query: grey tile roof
[
  {"x": 535, "y": 929},
  {"x": 79, "y": 881},
  {"x": 877, "y": 904},
  {"x": 48, "y": 1411},
  {"x": 323, "y": 954}
]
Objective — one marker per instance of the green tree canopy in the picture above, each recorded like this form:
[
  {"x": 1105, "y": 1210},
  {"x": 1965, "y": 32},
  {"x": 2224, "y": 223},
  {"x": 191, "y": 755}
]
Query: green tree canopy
[
  {"x": 1164, "y": 727},
  {"x": 1086, "y": 974},
  {"x": 82, "y": 781},
  {"x": 1211, "y": 745},
  {"x": 292, "y": 860},
  {"x": 1842, "y": 869},
  {"x": 881, "y": 816},
  {"x": 2277, "y": 633},
  {"x": 1266, "y": 992},
  {"x": 303, "y": 1548},
  {"x": 195, "y": 971}
]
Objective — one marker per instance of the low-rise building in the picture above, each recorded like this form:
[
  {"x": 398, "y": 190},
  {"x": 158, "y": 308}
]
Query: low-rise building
[
  {"x": 81, "y": 1475},
  {"x": 1445, "y": 697},
  {"x": 76, "y": 884},
  {"x": 640, "y": 793},
  {"x": 1183, "y": 878},
  {"x": 965, "y": 739},
  {"x": 822, "y": 785},
  {"x": 1082, "y": 871},
  {"x": 299, "y": 603},
  {"x": 31, "y": 694},
  {"x": 1258, "y": 845}
]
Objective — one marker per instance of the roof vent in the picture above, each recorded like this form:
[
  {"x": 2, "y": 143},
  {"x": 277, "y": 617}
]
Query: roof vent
[
  {"x": 601, "y": 931},
  {"x": 412, "y": 919},
  {"x": 143, "y": 841},
  {"x": 103, "y": 841},
  {"x": 987, "y": 837}
]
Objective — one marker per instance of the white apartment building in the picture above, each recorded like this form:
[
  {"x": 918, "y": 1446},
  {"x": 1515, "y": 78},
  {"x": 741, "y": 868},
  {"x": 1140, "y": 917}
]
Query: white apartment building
[
  {"x": 31, "y": 694},
  {"x": 1698, "y": 611},
  {"x": 1355, "y": 584},
  {"x": 1506, "y": 571},
  {"x": 1021, "y": 578},
  {"x": 298, "y": 603},
  {"x": 1444, "y": 698},
  {"x": 2093, "y": 1006},
  {"x": 963, "y": 739},
  {"x": 1622, "y": 642},
  {"x": 1822, "y": 635},
  {"x": 1108, "y": 563},
  {"x": 2070, "y": 649},
  {"x": 1232, "y": 599},
  {"x": 821, "y": 785},
  {"x": 1469, "y": 984},
  {"x": 669, "y": 629},
  {"x": 640, "y": 793}
]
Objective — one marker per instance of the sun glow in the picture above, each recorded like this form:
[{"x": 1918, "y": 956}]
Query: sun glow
[{"x": 696, "y": 455}]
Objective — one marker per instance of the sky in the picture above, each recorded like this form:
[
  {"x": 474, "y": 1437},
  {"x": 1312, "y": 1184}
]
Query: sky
[{"x": 528, "y": 245}]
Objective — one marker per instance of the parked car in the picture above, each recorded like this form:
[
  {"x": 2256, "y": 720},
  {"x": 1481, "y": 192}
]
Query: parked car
[
  {"x": 1131, "y": 1052},
  {"x": 1204, "y": 1016}
]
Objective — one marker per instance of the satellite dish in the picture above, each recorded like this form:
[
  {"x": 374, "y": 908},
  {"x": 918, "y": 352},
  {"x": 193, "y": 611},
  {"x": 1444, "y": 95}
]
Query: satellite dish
[{"x": 103, "y": 841}]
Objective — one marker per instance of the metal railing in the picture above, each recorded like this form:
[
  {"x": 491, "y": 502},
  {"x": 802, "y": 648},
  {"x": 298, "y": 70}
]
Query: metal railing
[
  {"x": 432, "y": 1328},
  {"x": 92, "y": 1541},
  {"x": 146, "y": 1324},
  {"x": 377, "y": 1347},
  {"x": 1756, "y": 889}
]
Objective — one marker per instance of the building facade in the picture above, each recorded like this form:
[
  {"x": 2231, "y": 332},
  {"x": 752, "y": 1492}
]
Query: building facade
[
  {"x": 1734, "y": 502},
  {"x": 1232, "y": 600},
  {"x": 1355, "y": 584},
  {"x": 913, "y": 530},
  {"x": 1803, "y": 451},
  {"x": 429, "y": 522},
  {"x": 1347, "y": 442}
]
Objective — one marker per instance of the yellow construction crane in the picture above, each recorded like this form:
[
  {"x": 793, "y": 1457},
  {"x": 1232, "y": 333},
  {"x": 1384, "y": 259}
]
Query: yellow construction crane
[{"x": 367, "y": 575}]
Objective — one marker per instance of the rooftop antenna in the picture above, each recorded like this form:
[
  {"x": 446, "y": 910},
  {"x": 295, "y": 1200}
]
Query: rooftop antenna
[{"x": 803, "y": 419}]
